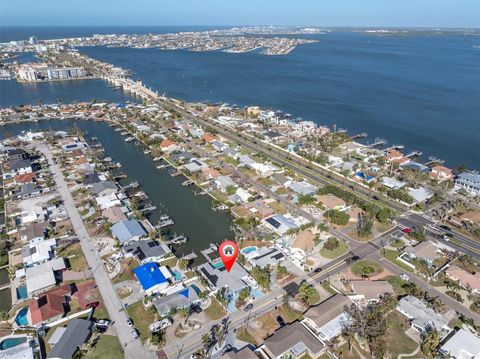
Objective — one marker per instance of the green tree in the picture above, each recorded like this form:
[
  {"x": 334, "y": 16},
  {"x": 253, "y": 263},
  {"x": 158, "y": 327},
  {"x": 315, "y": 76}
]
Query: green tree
[
  {"x": 337, "y": 217},
  {"x": 184, "y": 313},
  {"x": 261, "y": 276},
  {"x": 331, "y": 244},
  {"x": 307, "y": 293},
  {"x": 430, "y": 344},
  {"x": 231, "y": 189},
  {"x": 244, "y": 294},
  {"x": 384, "y": 215}
]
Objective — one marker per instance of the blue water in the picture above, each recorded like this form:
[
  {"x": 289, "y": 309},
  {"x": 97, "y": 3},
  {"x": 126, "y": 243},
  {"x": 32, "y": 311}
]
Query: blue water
[
  {"x": 421, "y": 91},
  {"x": 177, "y": 275},
  {"x": 22, "y": 292},
  {"x": 218, "y": 265},
  {"x": 21, "y": 318},
  {"x": 12, "y": 342},
  {"x": 249, "y": 249}
]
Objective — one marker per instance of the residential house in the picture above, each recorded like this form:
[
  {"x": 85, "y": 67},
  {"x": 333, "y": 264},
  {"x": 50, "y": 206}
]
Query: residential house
[
  {"x": 467, "y": 280},
  {"x": 292, "y": 340},
  {"x": 128, "y": 231},
  {"x": 20, "y": 167},
  {"x": 246, "y": 160},
  {"x": 25, "y": 178},
  {"x": 104, "y": 188},
  {"x": 245, "y": 353},
  {"x": 264, "y": 257},
  {"x": 195, "y": 165},
  {"x": 420, "y": 194},
  {"x": 184, "y": 298},
  {"x": 332, "y": 202},
  {"x": 38, "y": 252},
  {"x": 217, "y": 277},
  {"x": 415, "y": 166},
  {"x": 147, "y": 250},
  {"x": 259, "y": 209},
  {"x": 107, "y": 201},
  {"x": 264, "y": 169},
  {"x": 219, "y": 146},
  {"x": 208, "y": 138},
  {"x": 281, "y": 179},
  {"x": 422, "y": 318},
  {"x": 232, "y": 153},
  {"x": 469, "y": 181},
  {"x": 76, "y": 334},
  {"x": 303, "y": 188},
  {"x": 50, "y": 305},
  {"x": 16, "y": 154},
  {"x": 152, "y": 277},
  {"x": 211, "y": 173},
  {"x": 27, "y": 190},
  {"x": 33, "y": 232},
  {"x": 426, "y": 251},
  {"x": 181, "y": 157},
  {"x": 42, "y": 276},
  {"x": 240, "y": 195},
  {"x": 441, "y": 173},
  {"x": 392, "y": 183},
  {"x": 369, "y": 291},
  {"x": 462, "y": 345},
  {"x": 168, "y": 146},
  {"x": 114, "y": 214},
  {"x": 223, "y": 182},
  {"x": 327, "y": 319},
  {"x": 280, "y": 223}
]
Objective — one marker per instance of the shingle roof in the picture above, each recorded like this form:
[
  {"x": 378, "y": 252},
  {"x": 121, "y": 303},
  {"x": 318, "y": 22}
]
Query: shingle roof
[
  {"x": 327, "y": 310},
  {"x": 291, "y": 337},
  {"x": 78, "y": 330}
]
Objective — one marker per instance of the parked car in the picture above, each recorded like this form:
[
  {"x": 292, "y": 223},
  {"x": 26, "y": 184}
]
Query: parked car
[
  {"x": 248, "y": 307},
  {"x": 318, "y": 270},
  {"x": 195, "y": 309},
  {"x": 134, "y": 333},
  {"x": 406, "y": 230},
  {"x": 280, "y": 321},
  {"x": 102, "y": 323},
  {"x": 226, "y": 348},
  {"x": 405, "y": 277},
  {"x": 129, "y": 322}
]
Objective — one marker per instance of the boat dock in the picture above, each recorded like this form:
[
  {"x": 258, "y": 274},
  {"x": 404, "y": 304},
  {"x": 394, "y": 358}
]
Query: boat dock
[
  {"x": 164, "y": 221},
  {"x": 377, "y": 142},
  {"x": 360, "y": 135},
  {"x": 414, "y": 154},
  {"x": 177, "y": 240}
]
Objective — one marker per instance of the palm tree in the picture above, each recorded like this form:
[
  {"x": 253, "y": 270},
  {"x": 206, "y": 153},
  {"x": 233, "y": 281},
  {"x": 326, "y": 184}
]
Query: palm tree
[
  {"x": 306, "y": 293},
  {"x": 206, "y": 341},
  {"x": 430, "y": 344},
  {"x": 184, "y": 313}
]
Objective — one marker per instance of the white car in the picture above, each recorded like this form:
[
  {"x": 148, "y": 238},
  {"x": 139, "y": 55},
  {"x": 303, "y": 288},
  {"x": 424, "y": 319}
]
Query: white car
[{"x": 405, "y": 277}]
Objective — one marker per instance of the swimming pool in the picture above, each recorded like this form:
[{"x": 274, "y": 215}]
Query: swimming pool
[
  {"x": 217, "y": 265},
  {"x": 177, "y": 275},
  {"x": 12, "y": 342},
  {"x": 21, "y": 318},
  {"x": 22, "y": 292},
  {"x": 249, "y": 249}
]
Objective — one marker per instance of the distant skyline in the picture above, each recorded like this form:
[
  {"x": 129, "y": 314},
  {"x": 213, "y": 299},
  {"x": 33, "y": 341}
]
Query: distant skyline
[{"x": 356, "y": 13}]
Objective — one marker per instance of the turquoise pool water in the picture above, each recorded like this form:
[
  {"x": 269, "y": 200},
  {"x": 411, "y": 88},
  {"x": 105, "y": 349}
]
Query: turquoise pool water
[
  {"x": 12, "y": 342},
  {"x": 21, "y": 318},
  {"x": 177, "y": 275},
  {"x": 22, "y": 292},
  {"x": 218, "y": 265},
  {"x": 249, "y": 249}
]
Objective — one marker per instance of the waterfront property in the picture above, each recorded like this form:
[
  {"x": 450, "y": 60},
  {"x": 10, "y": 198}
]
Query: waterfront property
[{"x": 152, "y": 277}]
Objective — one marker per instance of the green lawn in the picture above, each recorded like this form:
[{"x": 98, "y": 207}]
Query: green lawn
[
  {"x": 75, "y": 257},
  {"x": 366, "y": 267},
  {"x": 397, "y": 243},
  {"x": 288, "y": 314},
  {"x": 169, "y": 262},
  {"x": 397, "y": 341},
  {"x": 392, "y": 257},
  {"x": 107, "y": 347},
  {"x": 396, "y": 283},
  {"x": 341, "y": 249},
  {"x": 141, "y": 318},
  {"x": 215, "y": 310}
]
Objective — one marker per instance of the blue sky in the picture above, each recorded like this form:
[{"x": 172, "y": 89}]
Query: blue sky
[{"x": 426, "y": 13}]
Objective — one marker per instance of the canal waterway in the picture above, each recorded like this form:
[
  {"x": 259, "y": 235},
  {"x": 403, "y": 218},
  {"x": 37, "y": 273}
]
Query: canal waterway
[{"x": 192, "y": 214}]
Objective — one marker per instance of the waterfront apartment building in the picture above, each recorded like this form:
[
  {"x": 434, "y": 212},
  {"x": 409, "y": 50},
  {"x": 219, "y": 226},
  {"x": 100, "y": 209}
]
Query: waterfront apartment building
[{"x": 41, "y": 72}]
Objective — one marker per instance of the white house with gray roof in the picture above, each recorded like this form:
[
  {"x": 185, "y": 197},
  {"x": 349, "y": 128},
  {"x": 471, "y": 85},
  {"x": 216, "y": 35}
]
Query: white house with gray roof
[{"x": 422, "y": 318}]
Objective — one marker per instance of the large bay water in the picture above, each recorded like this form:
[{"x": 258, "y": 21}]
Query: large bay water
[
  {"x": 192, "y": 214},
  {"x": 417, "y": 90}
]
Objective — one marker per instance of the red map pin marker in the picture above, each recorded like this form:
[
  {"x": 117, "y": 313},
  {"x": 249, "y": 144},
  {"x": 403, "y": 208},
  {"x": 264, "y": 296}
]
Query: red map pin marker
[{"x": 228, "y": 251}]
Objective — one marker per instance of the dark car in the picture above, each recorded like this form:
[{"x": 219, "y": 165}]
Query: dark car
[
  {"x": 318, "y": 270},
  {"x": 248, "y": 307},
  {"x": 195, "y": 309},
  {"x": 352, "y": 259},
  {"x": 280, "y": 321},
  {"x": 226, "y": 348}
]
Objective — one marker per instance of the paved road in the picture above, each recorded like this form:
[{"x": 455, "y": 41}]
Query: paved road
[{"x": 133, "y": 347}]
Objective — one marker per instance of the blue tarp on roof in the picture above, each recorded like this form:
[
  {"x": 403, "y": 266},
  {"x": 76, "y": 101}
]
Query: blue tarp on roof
[
  {"x": 149, "y": 275},
  {"x": 184, "y": 292}
]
